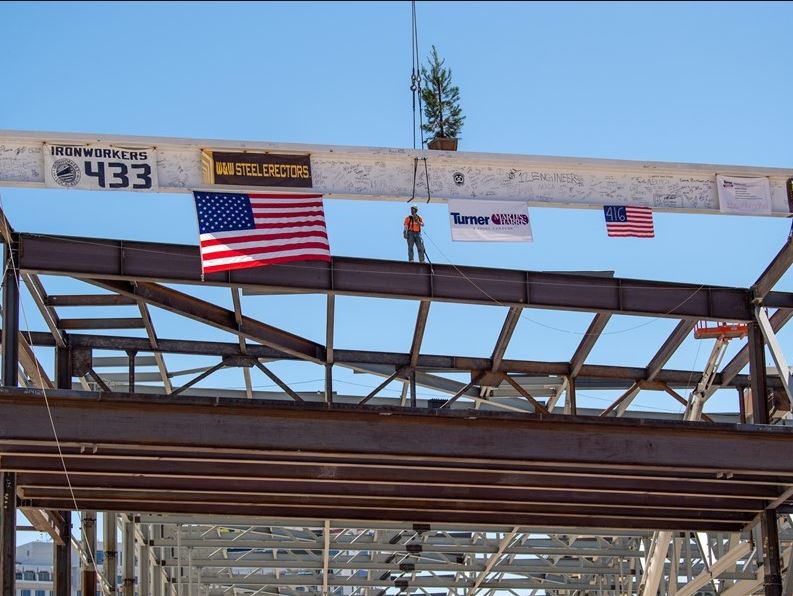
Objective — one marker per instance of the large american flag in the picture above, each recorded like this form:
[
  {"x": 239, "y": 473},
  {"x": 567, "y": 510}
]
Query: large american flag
[
  {"x": 624, "y": 221},
  {"x": 250, "y": 230}
]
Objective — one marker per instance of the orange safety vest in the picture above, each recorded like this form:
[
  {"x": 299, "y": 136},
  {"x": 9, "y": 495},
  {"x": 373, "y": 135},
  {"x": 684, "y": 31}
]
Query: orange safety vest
[{"x": 414, "y": 223}]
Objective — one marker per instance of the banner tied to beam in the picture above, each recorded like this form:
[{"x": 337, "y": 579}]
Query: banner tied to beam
[
  {"x": 256, "y": 169},
  {"x": 100, "y": 167},
  {"x": 744, "y": 196},
  {"x": 489, "y": 221}
]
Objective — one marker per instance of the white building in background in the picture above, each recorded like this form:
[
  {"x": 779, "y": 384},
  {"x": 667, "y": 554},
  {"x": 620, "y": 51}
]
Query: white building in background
[{"x": 35, "y": 569}]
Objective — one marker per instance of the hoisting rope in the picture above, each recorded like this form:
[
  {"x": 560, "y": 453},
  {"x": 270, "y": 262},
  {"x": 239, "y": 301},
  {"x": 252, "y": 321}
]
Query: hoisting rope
[
  {"x": 415, "y": 88},
  {"x": 415, "y": 78}
]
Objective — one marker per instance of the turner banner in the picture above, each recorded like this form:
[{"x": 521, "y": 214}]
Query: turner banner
[
  {"x": 100, "y": 167},
  {"x": 489, "y": 221}
]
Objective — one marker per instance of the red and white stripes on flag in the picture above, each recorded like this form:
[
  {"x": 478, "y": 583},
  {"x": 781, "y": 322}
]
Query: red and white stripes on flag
[
  {"x": 627, "y": 221},
  {"x": 251, "y": 230}
]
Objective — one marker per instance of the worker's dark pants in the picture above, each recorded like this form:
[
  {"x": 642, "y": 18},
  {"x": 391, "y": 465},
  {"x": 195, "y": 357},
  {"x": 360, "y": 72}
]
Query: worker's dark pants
[{"x": 415, "y": 238}]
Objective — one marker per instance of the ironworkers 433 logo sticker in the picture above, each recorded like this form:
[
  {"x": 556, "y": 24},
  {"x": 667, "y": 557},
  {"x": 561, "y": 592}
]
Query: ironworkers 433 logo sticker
[
  {"x": 65, "y": 172},
  {"x": 100, "y": 167}
]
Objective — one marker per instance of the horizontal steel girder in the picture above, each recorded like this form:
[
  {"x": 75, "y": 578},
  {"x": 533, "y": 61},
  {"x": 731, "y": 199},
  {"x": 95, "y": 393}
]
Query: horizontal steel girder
[
  {"x": 144, "y": 261},
  {"x": 389, "y": 173},
  {"x": 377, "y": 463}
]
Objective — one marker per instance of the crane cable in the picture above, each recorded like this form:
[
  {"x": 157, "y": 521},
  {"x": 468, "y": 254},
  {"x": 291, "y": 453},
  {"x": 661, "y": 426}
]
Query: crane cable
[
  {"x": 415, "y": 88},
  {"x": 415, "y": 78}
]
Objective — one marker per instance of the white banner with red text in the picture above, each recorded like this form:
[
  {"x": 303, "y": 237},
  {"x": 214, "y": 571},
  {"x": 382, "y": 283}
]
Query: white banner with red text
[{"x": 489, "y": 221}]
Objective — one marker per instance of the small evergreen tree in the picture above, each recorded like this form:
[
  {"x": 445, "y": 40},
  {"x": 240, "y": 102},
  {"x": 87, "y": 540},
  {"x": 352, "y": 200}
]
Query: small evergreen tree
[{"x": 441, "y": 100}]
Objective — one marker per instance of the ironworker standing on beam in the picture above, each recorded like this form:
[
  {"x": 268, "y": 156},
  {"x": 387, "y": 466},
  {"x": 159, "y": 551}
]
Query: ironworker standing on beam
[{"x": 412, "y": 233}]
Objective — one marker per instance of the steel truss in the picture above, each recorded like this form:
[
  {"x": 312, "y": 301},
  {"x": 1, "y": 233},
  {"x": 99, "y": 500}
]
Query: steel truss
[
  {"x": 245, "y": 555},
  {"x": 500, "y": 484}
]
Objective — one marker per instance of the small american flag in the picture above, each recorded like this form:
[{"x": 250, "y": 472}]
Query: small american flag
[
  {"x": 624, "y": 222},
  {"x": 250, "y": 230}
]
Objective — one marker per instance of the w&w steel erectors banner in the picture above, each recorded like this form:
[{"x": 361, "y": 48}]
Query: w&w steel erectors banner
[
  {"x": 489, "y": 221},
  {"x": 744, "y": 196},
  {"x": 100, "y": 167}
]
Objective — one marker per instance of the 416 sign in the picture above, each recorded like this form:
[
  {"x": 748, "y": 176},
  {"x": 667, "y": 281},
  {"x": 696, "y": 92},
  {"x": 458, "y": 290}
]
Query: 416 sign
[{"x": 100, "y": 167}]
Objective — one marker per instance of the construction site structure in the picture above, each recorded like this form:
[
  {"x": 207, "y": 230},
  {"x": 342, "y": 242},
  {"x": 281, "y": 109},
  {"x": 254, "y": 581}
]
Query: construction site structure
[{"x": 453, "y": 475}]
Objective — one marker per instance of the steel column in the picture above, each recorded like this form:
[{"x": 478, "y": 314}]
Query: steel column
[
  {"x": 157, "y": 580},
  {"x": 144, "y": 562},
  {"x": 772, "y": 578},
  {"x": 768, "y": 521},
  {"x": 131, "y": 355},
  {"x": 757, "y": 373},
  {"x": 570, "y": 406},
  {"x": 10, "y": 315},
  {"x": 329, "y": 383},
  {"x": 8, "y": 488},
  {"x": 63, "y": 367},
  {"x": 10, "y": 378},
  {"x": 62, "y": 572},
  {"x": 88, "y": 544},
  {"x": 110, "y": 547},
  {"x": 128, "y": 556}
]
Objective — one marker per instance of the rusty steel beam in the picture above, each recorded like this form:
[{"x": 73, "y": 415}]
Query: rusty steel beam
[
  {"x": 221, "y": 474},
  {"x": 627, "y": 396},
  {"x": 145, "y": 261},
  {"x": 774, "y": 272},
  {"x": 363, "y": 514},
  {"x": 588, "y": 342},
  {"x": 88, "y": 300},
  {"x": 538, "y": 407},
  {"x": 504, "y": 337},
  {"x": 421, "y": 507},
  {"x": 219, "y": 489},
  {"x": 277, "y": 380},
  {"x": 140, "y": 420},
  {"x": 104, "y": 323},
  {"x": 418, "y": 332},
  {"x": 669, "y": 347},
  {"x": 216, "y": 316},
  {"x": 588, "y": 372},
  {"x": 39, "y": 295}
]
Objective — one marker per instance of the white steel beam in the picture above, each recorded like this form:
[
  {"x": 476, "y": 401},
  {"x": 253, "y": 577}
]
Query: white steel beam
[
  {"x": 325, "y": 557},
  {"x": 505, "y": 542},
  {"x": 128, "y": 556},
  {"x": 376, "y": 173},
  {"x": 654, "y": 566},
  {"x": 787, "y": 587},
  {"x": 775, "y": 349},
  {"x": 750, "y": 586},
  {"x": 726, "y": 561}
]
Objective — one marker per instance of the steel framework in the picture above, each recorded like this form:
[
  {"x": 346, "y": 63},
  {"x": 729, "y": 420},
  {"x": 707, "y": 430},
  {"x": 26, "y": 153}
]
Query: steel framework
[{"x": 498, "y": 483}]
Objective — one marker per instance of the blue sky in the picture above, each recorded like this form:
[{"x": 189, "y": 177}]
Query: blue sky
[{"x": 681, "y": 82}]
